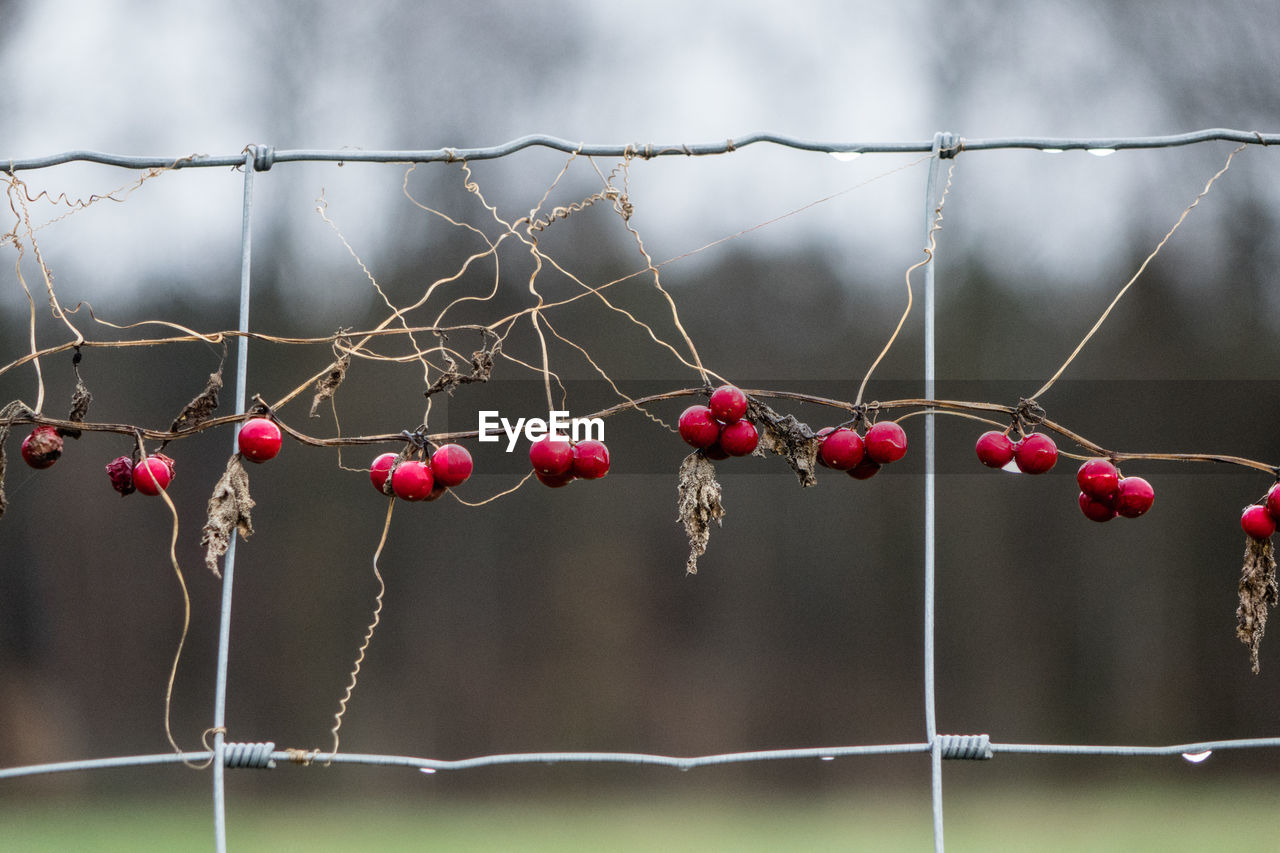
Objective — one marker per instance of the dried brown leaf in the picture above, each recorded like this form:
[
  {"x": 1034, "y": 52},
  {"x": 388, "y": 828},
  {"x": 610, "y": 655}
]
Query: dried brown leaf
[
  {"x": 201, "y": 406},
  {"x": 698, "y": 505},
  {"x": 481, "y": 369},
  {"x": 1258, "y": 591},
  {"x": 786, "y": 437},
  {"x": 328, "y": 384},
  {"x": 229, "y": 507},
  {"x": 482, "y": 361},
  {"x": 80, "y": 400}
]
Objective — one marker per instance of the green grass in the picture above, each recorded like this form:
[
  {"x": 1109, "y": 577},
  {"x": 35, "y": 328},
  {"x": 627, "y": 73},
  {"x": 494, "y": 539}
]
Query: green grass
[{"x": 1088, "y": 818}]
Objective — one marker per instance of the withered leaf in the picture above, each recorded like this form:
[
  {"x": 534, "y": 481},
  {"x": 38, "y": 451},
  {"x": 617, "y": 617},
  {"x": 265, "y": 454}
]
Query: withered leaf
[
  {"x": 1258, "y": 592},
  {"x": 698, "y": 505},
  {"x": 481, "y": 368},
  {"x": 328, "y": 384},
  {"x": 786, "y": 437},
  {"x": 229, "y": 507},
  {"x": 80, "y": 400},
  {"x": 201, "y": 406}
]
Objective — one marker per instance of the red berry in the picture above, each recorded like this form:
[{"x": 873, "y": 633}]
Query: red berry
[
  {"x": 715, "y": 452},
  {"x": 378, "y": 470},
  {"x": 886, "y": 442},
  {"x": 1257, "y": 522},
  {"x": 994, "y": 449},
  {"x": 120, "y": 470},
  {"x": 822, "y": 433},
  {"x": 1134, "y": 497},
  {"x": 451, "y": 465},
  {"x": 260, "y": 439},
  {"x": 841, "y": 449},
  {"x": 739, "y": 438},
  {"x": 1099, "y": 479},
  {"x": 864, "y": 470},
  {"x": 412, "y": 480},
  {"x": 153, "y": 474},
  {"x": 551, "y": 457},
  {"x": 1096, "y": 510},
  {"x": 590, "y": 460},
  {"x": 1273, "y": 501},
  {"x": 436, "y": 491},
  {"x": 43, "y": 447},
  {"x": 728, "y": 404},
  {"x": 1035, "y": 454},
  {"x": 555, "y": 481},
  {"x": 699, "y": 427}
]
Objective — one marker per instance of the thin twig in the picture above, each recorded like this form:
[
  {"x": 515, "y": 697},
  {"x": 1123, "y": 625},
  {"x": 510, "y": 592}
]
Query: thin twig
[
  {"x": 928, "y": 256},
  {"x": 942, "y": 407},
  {"x": 1089, "y": 335},
  {"x": 186, "y": 610},
  {"x": 368, "y": 635}
]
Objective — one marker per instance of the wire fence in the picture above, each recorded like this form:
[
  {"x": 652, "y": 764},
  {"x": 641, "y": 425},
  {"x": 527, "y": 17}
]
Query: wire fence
[{"x": 940, "y": 747}]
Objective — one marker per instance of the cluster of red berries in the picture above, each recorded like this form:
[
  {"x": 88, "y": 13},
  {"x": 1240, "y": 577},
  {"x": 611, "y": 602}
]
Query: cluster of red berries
[
  {"x": 559, "y": 463},
  {"x": 420, "y": 479},
  {"x": 720, "y": 429},
  {"x": 43, "y": 447},
  {"x": 151, "y": 476},
  {"x": 1259, "y": 520},
  {"x": 1105, "y": 493},
  {"x": 844, "y": 450},
  {"x": 1033, "y": 454},
  {"x": 259, "y": 439}
]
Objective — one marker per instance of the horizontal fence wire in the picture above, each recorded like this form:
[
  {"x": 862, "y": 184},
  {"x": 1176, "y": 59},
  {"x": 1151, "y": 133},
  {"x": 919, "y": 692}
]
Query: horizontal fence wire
[
  {"x": 235, "y": 756},
  {"x": 265, "y": 156},
  {"x": 260, "y": 158}
]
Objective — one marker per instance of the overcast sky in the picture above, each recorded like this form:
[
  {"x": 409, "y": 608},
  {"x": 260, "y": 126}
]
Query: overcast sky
[{"x": 212, "y": 77}]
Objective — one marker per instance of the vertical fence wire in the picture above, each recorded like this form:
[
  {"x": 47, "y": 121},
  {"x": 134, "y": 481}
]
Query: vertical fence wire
[
  {"x": 229, "y": 565},
  {"x": 940, "y": 141}
]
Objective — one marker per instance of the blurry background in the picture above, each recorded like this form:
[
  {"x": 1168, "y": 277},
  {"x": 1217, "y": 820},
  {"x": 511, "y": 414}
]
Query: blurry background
[{"x": 562, "y": 620}]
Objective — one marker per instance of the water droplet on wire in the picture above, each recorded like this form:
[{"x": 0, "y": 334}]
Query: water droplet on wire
[
  {"x": 1197, "y": 757},
  {"x": 1101, "y": 152},
  {"x": 828, "y": 758},
  {"x": 846, "y": 156},
  {"x": 1052, "y": 150},
  {"x": 426, "y": 770}
]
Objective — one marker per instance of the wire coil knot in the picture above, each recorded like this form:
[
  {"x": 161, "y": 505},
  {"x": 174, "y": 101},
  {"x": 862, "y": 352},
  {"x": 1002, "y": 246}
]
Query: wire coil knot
[
  {"x": 257, "y": 755},
  {"x": 970, "y": 747},
  {"x": 948, "y": 145},
  {"x": 264, "y": 156}
]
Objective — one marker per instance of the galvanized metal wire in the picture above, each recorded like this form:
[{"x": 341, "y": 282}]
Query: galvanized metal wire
[
  {"x": 943, "y": 146},
  {"x": 953, "y": 747},
  {"x": 229, "y": 564},
  {"x": 265, "y": 156},
  {"x": 943, "y": 142}
]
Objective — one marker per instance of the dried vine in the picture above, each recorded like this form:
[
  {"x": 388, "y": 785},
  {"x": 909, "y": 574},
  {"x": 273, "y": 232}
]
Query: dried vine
[{"x": 446, "y": 369}]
